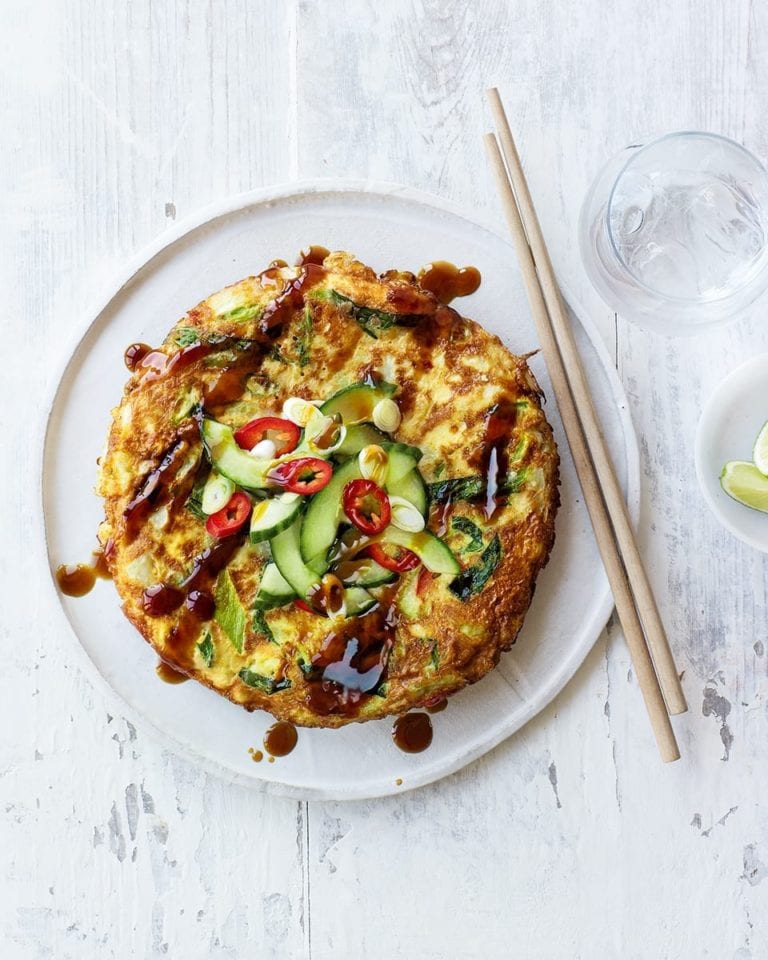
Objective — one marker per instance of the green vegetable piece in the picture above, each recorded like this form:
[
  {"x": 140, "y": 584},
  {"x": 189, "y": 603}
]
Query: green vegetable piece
[
  {"x": 306, "y": 668},
  {"x": 459, "y": 488},
  {"x": 206, "y": 649},
  {"x": 469, "y": 529},
  {"x": 304, "y": 343},
  {"x": 374, "y": 322},
  {"x": 521, "y": 449},
  {"x": 230, "y": 613},
  {"x": 195, "y": 499},
  {"x": 189, "y": 401},
  {"x": 434, "y": 655},
  {"x": 260, "y": 682},
  {"x": 261, "y": 626},
  {"x": 472, "y": 580},
  {"x": 246, "y": 311},
  {"x": 186, "y": 336},
  {"x": 473, "y": 488}
]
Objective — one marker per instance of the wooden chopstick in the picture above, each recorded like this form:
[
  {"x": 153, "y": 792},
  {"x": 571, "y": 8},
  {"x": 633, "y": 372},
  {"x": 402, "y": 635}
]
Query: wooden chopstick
[
  {"x": 649, "y": 612},
  {"x": 617, "y": 577}
]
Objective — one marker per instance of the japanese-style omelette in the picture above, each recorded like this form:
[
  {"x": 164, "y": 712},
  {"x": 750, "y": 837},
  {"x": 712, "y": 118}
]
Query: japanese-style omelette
[{"x": 327, "y": 494}]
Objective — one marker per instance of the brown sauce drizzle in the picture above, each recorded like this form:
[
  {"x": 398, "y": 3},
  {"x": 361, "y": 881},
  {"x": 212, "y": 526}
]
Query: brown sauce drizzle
[
  {"x": 447, "y": 281},
  {"x": 412, "y": 732},
  {"x": 499, "y": 423},
  {"x": 200, "y": 604},
  {"x": 352, "y": 663},
  {"x": 312, "y": 254},
  {"x": 157, "y": 364},
  {"x": 161, "y": 599},
  {"x": 256, "y": 755},
  {"x": 134, "y": 354},
  {"x": 194, "y": 590},
  {"x": 153, "y": 490},
  {"x": 168, "y": 675},
  {"x": 280, "y": 739},
  {"x": 228, "y": 387},
  {"x": 101, "y": 557},
  {"x": 406, "y": 300},
  {"x": 291, "y": 297},
  {"x": 75, "y": 580}
]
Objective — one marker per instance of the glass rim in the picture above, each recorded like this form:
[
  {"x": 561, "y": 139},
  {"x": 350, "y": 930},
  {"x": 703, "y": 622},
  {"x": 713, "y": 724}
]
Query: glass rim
[{"x": 760, "y": 262}]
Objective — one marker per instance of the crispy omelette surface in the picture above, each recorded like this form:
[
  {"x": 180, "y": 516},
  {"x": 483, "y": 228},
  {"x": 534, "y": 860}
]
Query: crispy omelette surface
[{"x": 489, "y": 462}]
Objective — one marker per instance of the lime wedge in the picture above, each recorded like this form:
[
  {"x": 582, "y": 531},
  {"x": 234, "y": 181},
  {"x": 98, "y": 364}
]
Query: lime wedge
[
  {"x": 745, "y": 483},
  {"x": 760, "y": 453}
]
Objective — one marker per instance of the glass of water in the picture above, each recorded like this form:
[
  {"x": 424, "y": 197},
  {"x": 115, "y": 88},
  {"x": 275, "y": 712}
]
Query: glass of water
[{"x": 674, "y": 233}]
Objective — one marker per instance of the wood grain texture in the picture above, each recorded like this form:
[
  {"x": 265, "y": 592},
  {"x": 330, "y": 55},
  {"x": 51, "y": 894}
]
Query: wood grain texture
[{"x": 568, "y": 841}]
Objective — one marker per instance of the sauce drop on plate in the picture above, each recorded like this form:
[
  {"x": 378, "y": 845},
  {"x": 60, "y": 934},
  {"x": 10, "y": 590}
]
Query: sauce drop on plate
[
  {"x": 134, "y": 354},
  {"x": 447, "y": 281},
  {"x": 280, "y": 739},
  {"x": 75, "y": 580},
  {"x": 168, "y": 674},
  {"x": 312, "y": 254},
  {"x": 412, "y": 732}
]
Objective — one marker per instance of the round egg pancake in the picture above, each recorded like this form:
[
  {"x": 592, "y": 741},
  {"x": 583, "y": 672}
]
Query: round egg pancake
[{"x": 327, "y": 494}]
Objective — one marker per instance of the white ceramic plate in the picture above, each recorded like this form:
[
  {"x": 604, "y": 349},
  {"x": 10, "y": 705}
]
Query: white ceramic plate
[
  {"x": 385, "y": 226},
  {"x": 728, "y": 428}
]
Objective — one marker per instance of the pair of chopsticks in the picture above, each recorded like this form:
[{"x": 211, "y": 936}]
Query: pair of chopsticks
[{"x": 635, "y": 604}]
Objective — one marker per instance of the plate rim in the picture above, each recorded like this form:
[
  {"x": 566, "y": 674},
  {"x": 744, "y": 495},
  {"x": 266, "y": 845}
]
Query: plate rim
[
  {"x": 120, "y": 281},
  {"x": 703, "y": 429}
]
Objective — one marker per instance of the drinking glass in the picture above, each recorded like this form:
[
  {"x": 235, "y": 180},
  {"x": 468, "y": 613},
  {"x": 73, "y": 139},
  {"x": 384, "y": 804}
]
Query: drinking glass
[{"x": 674, "y": 233}]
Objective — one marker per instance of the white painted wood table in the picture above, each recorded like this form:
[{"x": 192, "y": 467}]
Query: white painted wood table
[{"x": 570, "y": 840}]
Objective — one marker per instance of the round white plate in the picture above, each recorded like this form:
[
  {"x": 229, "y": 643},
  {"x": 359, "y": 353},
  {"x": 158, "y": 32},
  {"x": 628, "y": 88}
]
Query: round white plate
[
  {"x": 385, "y": 226},
  {"x": 728, "y": 428}
]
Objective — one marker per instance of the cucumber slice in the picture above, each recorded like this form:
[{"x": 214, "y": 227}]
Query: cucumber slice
[
  {"x": 358, "y": 601},
  {"x": 216, "y": 493},
  {"x": 359, "y": 435},
  {"x": 269, "y": 517},
  {"x": 322, "y": 519},
  {"x": 303, "y": 579},
  {"x": 412, "y": 488},
  {"x": 287, "y": 556},
  {"x": 364, "y": 573},
  {"x": 274, "y": 589},
  {"x": 402, "y": 459},
  {"x": 355, "y": 403},
  {"x": 232, "y": 461},
  {"x": 432, "y": 552}
]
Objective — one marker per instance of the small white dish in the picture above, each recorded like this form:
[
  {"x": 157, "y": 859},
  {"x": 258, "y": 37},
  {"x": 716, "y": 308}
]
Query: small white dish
[{"x": 728, "y": 428}]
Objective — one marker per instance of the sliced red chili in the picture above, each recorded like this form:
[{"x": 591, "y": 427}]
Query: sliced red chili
[
  {"x": 393, "y": 557},
  {"x": 366, "y": 505},
  {"x": 283, "y": 433},
  {"x": 303, "y": 605},
  {"x": 305, "y": 475},
  {"x": 230, "y": 518}
]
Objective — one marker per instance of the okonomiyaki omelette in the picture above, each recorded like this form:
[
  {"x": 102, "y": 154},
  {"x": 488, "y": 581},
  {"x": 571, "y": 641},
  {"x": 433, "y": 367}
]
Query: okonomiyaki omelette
[{"x": 328, "y": 495}]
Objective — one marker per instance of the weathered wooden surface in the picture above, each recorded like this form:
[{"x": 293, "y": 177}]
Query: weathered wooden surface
[{"x": 568, "y": 841}]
